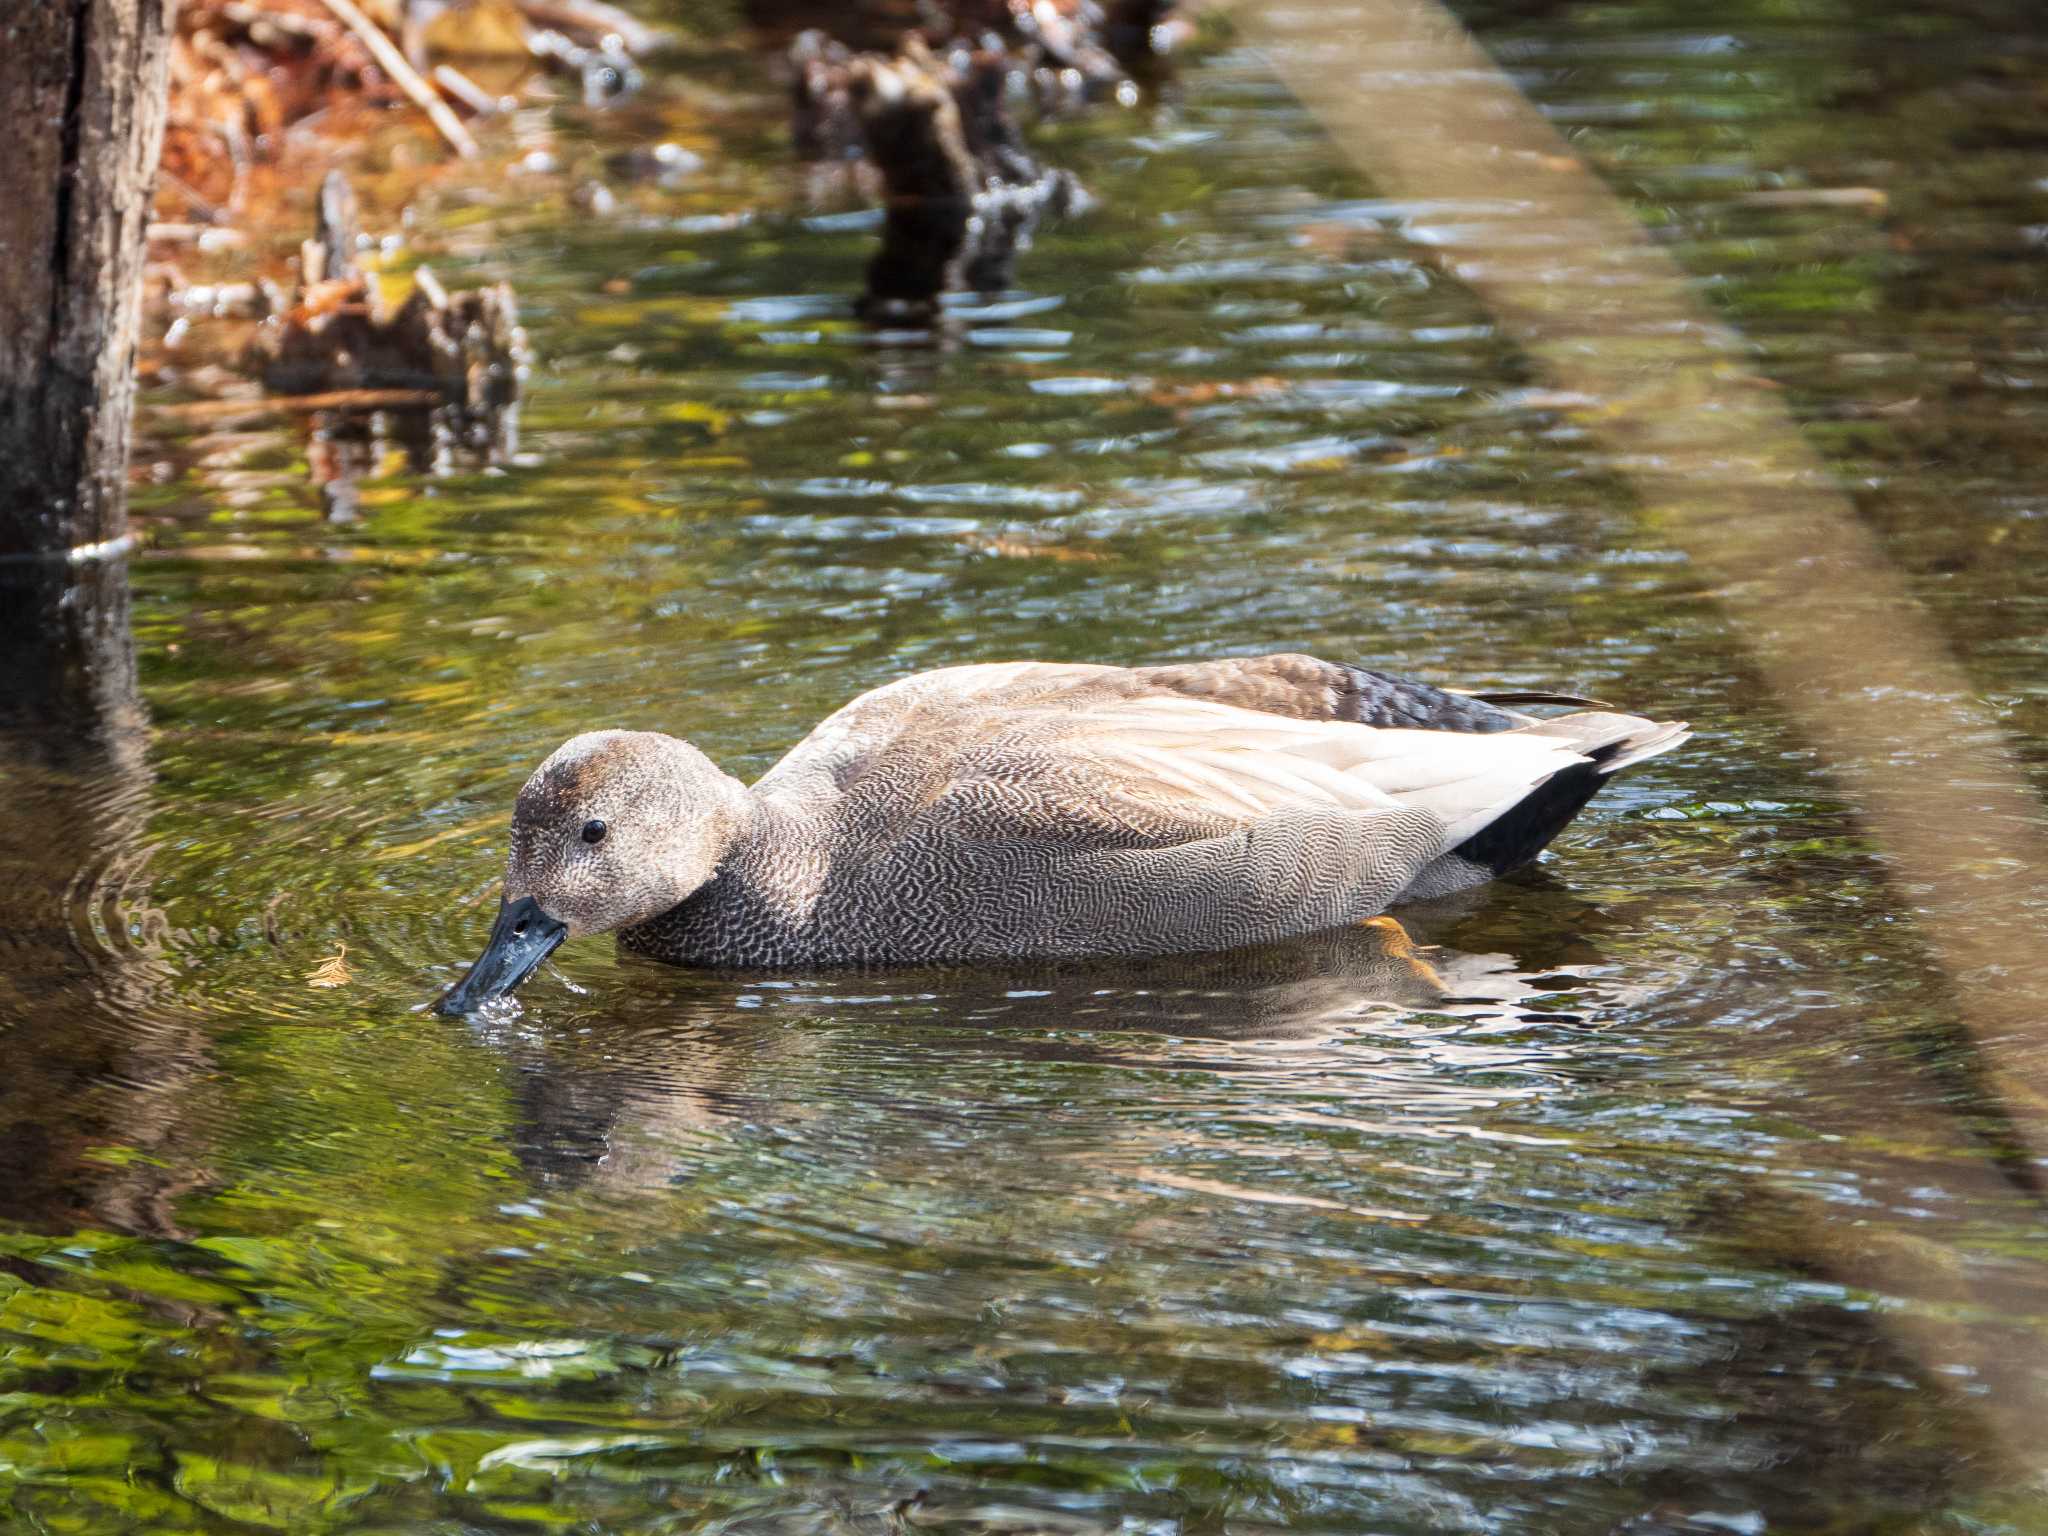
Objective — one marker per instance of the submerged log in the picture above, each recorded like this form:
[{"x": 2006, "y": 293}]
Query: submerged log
[
  {"x": 84, "y": 84},
  {"x": 338, "y": 335},
  {"x": 962, "y": 193},
  {"x": 911, "y": 127},
  {"x": 1139, "y": 32},
  {"x": 1099, "y": 39}
]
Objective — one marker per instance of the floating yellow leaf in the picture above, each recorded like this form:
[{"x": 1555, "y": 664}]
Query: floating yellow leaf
[
  {"x": 407, "y": 850},
  {"x": 708, "y": 416}
]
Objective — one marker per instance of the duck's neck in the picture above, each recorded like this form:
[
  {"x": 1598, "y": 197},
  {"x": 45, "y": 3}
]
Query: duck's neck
[
  {"x": 780, "y": 859},
  {"x": 757, "y": 906},
  {"x": 768, "y": 828}
]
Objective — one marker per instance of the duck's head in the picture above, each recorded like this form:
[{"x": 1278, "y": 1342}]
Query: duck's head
[{"x": 614, "y": 828}]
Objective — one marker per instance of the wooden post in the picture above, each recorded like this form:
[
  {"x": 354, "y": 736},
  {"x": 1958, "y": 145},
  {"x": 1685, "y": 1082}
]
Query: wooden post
[{"x": 84, "y": 84}]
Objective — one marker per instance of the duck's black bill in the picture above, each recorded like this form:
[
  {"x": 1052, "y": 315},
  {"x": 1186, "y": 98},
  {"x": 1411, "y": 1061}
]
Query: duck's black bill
[{"x": 522, "y": 937}]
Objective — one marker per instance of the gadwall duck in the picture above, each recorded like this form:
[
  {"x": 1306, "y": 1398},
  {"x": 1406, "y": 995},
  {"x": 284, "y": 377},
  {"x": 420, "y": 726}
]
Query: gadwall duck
[{"x": 1040, "y": 810}]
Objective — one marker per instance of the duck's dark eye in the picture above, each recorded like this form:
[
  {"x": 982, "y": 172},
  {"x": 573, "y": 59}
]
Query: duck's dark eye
[{"x": 593, "y": 830}]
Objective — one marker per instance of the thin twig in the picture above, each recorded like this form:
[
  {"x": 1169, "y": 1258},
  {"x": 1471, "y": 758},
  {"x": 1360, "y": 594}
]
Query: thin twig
[
  {"x": 272, "y": 405},
  {"x": 393, "y": 64},
  {"x": 206, "y": 206},
  {"x": 465, "y": 90},
  {"x": 592, "y": 18},
  {"x": 251, "y": 17}
]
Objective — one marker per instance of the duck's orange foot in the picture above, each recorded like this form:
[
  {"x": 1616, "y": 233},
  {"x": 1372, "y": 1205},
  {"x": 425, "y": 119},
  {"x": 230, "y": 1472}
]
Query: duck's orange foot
[
  {"x": 1397, "y": 936},
  {"x": 1401, "y": 947}
]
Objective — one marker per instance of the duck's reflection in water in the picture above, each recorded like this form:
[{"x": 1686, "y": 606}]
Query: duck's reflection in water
[
  {"x": 1410, "y": 1171},
  {"x": 673, "y": 1055}
]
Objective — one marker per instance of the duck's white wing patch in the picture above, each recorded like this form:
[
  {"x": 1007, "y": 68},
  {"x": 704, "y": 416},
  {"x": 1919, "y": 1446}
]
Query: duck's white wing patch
[{"x": 1235, "y": 763}]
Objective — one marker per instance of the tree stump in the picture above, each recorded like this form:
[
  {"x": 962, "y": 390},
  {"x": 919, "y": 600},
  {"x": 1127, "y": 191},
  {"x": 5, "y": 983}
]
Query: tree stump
[{"x": 84, "y": 82}]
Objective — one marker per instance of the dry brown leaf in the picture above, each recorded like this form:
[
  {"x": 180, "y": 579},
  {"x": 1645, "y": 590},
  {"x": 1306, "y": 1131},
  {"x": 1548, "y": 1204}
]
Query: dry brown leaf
[
  {"x": 331, "y": 972},
  {"x": 1206, "y": 392},
  {"x": 479, "y": 29},
  {"x": 1020, "y": 549}
]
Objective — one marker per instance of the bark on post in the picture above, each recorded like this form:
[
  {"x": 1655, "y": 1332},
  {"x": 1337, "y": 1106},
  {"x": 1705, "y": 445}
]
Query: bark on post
[{"x": 84, "y": 83}]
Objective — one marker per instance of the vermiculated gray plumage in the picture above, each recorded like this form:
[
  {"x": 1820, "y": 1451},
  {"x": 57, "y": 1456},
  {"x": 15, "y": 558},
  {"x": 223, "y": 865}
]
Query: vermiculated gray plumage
[{"x": 1034, "y": 810}]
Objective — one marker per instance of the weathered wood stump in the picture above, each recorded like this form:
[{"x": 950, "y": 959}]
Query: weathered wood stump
[
  {"x": 84, "y": 82},
  {"x": 962, "y": 193},
  {"x": 466, "y": 348}
]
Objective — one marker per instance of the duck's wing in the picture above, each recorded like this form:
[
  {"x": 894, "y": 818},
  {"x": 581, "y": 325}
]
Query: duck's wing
[
  {"x": 1022, "y": 809},
  {"x": 845, "y": 743},
  {"x": 1298, "y": 687},
  {"x": 1216, "y": 760},
  {"x": 1287, "y": 684},
  {"x": 1220, "y": 743},
  {"x": 1158, "y": 823}
]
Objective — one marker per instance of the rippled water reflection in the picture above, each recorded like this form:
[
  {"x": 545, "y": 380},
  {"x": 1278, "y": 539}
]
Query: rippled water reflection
[{"x": 1559, "y": 1225}]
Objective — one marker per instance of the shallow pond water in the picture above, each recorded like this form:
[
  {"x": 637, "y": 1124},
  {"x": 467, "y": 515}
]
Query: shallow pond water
[{"x": 1558, "y": 1226}]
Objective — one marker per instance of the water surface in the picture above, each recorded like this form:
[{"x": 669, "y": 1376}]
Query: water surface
[{"x": 1558, "y": 1226}]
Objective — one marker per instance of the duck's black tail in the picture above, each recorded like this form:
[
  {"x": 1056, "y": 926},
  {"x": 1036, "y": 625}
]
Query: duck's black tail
[{"x": 1610, "y": 742}]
